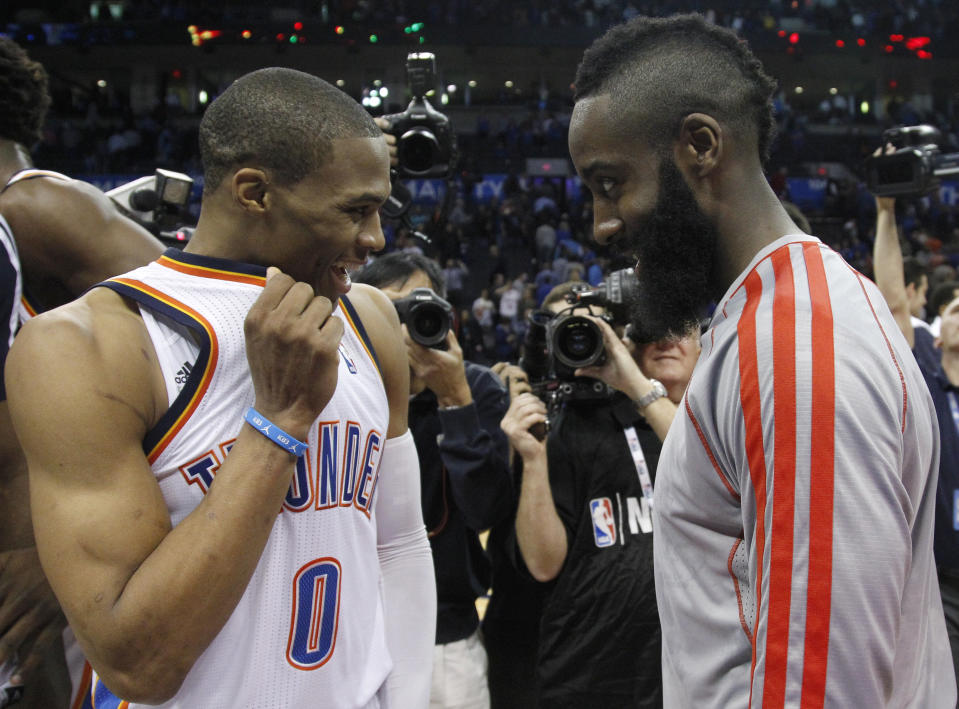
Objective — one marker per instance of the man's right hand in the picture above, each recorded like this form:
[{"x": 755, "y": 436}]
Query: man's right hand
[
  {"x": 292, "y": 347},
  {"x": 525, "y": 411}
]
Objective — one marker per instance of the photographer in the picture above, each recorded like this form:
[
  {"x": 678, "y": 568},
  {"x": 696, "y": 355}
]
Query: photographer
[
  {"x": 455, "y": 411},
  {"x": 938, "y": 359},
  {"x": 584, "y": 524}
]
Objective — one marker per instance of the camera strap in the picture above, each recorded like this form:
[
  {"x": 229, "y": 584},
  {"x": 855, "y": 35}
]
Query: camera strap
[{"x": 639, "y": 460}]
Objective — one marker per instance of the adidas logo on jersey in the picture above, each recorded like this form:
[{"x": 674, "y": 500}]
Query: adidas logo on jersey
[{"x": 183, "y": 374}]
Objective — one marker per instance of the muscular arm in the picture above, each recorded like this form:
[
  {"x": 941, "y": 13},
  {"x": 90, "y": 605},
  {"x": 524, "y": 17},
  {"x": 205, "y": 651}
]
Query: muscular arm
[
  {"x": 71, "y": 236},
  {"x": 540, "y": 533},
  {"x": 83, "y": 390},
  {"x": 406, "y": 561}
]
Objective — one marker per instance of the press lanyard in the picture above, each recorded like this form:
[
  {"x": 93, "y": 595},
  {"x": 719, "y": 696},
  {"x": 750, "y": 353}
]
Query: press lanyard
[{"x": 639, "y": 460}]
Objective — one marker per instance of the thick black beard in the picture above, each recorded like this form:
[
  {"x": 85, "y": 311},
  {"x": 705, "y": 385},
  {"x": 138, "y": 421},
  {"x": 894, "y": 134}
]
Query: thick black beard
[{"x": 676, "y": 246}]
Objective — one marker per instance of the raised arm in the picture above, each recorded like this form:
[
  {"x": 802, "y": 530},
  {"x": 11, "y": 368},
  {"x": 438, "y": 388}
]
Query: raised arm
[
  {"x": 540, "y": 533},
  {"x": 887, "y": 265},
  {"x": 84, "y": 388}
]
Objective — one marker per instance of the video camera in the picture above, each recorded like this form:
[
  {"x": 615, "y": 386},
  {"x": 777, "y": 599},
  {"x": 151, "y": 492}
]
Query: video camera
[
  {"x": 157, "y": 202},
  {"x": 424, "y": 136},
  {"x": 914, "y": 168},
  {"x": 428, "y": 317}
]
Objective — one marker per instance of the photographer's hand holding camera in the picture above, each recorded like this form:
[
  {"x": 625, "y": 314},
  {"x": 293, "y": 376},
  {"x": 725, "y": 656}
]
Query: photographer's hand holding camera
[
  {"x": 441, "y": 371},
  {"x": 621, "y": 372}
]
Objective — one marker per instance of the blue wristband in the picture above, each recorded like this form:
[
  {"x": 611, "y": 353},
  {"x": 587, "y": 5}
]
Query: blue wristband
[{"x": 276, "y": 434}]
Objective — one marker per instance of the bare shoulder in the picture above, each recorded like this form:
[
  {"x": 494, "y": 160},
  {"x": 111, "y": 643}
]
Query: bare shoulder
[
  {"x": 378, "y": 315},
  {"x": 91, "y": 359},
  {"x": 381, "y": 322},
  {"x": 70, "y": 230}
]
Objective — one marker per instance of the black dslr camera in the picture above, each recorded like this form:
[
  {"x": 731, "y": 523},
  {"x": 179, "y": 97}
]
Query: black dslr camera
[
  {"x": 424, "y": 138},
  {"x": 914, "y": 168},
  {"x": 427, "y": 316}
]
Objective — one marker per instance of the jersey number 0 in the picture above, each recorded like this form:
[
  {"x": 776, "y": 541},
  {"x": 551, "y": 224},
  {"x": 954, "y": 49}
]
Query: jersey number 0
[{"x": 316, "y": 609}]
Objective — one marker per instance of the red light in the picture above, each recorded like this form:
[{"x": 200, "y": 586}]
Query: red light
[
  {"x": 821, "y": 171},
  {"x": 923, "y": 54},
  {"x": 914, "y": 43},
  {"x": 297, "y": 26},
  {"x": 246, "y": 34},
  {"x": 782, "y": 33},
  {"x": 840, "y": 43},
  {"x": 893, "y": 84},
  {"x": 888, "y": 49},
  {"x": 861, "y": 42},
  {"x": 280, "y": 37},
  {"x": 896, "y": 38},
  {"x": 546, "y": 167},
  {"x": 177, "y": 74},
  {"x": 794, "y": 38},
  {"x": 180, "y": 236},
  {"x": 339, "y": 29}
]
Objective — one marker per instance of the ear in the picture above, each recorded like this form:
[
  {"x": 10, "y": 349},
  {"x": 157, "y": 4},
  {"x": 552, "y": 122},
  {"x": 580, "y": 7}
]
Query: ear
[
  {"x": 700, "y": 145},
  {"x": 251, "y": 189}
]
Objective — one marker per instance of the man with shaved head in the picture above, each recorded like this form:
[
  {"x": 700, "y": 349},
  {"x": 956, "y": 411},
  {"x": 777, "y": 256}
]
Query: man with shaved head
[
  {"x": 795, "y": 492},
  {"x": 225, "y": 491}
]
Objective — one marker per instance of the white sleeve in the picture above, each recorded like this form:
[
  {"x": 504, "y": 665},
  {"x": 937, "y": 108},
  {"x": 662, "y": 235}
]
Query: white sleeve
[{"x": 409, "y": 584}]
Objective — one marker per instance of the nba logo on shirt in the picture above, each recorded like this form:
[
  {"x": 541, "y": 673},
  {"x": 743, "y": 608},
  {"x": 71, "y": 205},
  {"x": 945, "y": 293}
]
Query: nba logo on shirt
[{"x": 604, "y": 526}]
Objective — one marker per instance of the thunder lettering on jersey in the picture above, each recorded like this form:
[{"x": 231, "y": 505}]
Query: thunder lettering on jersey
[{"x": 309, "y": 628}]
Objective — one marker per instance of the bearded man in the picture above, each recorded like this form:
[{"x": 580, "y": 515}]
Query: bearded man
[{"x": 794, "y": 501}]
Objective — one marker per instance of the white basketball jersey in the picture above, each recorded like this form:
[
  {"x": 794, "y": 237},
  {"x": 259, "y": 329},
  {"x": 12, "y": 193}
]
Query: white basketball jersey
[{"x": 309, "y": 630}]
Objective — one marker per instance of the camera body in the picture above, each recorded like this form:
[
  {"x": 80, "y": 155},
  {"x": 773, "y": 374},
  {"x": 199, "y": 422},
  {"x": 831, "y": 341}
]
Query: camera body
[
  {"x": 424, "y": 137},
  {"x": 156, "y": 202},
  {"x": 553, "y": 348},
  {"x": 428, "y": 317},
  {"x": 916, "y": 165}
]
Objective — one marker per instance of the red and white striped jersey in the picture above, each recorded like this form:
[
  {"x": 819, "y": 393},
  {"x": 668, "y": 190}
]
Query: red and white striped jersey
[{"x": 795, "y": 501}]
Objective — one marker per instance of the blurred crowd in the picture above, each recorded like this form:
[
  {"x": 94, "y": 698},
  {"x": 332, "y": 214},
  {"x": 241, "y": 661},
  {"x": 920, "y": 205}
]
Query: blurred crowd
[{"x": 933, "y": 18}]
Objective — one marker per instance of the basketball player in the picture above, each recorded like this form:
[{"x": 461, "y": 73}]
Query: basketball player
[
  {"x": 224, "y": 490},
  {"x": 69, "y": 236},
  {"x": 795, "y": 496}
]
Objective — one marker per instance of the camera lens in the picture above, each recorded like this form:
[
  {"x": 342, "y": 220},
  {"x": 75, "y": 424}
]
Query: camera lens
[
  {"x": 428, "y": 324},
  {"x": 577, "y": 342},
  {"x": 417, "y": 150}
]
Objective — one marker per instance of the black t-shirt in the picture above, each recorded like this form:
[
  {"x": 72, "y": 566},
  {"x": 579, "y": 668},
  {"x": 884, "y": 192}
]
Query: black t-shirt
[{"x": 599, "y": 633}]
